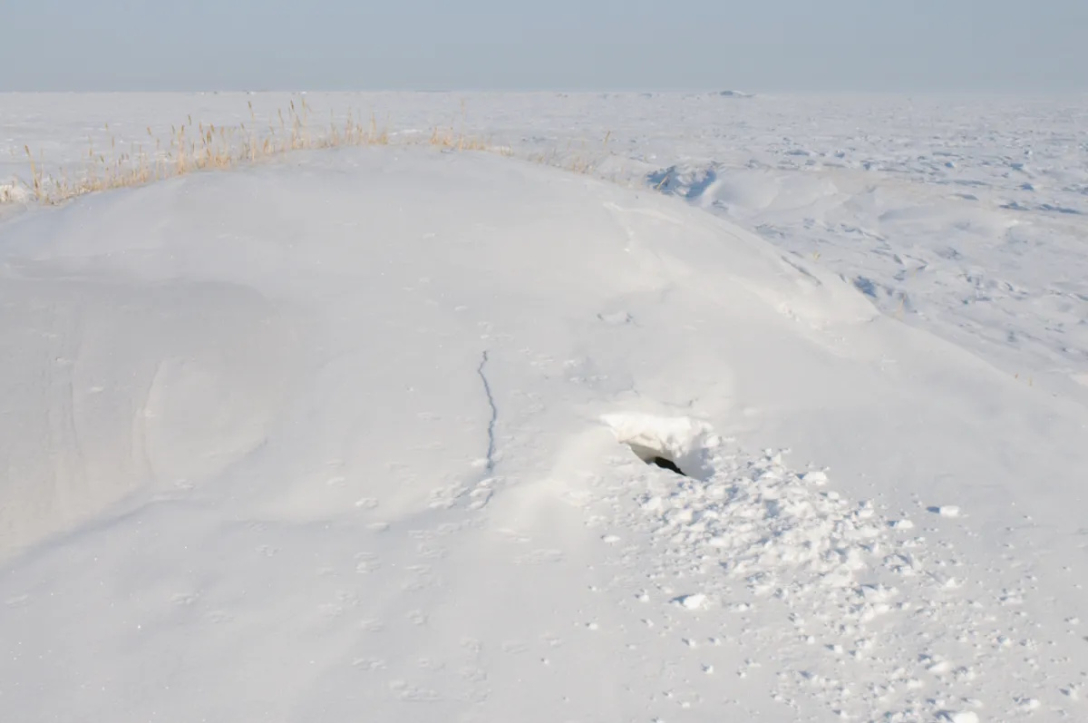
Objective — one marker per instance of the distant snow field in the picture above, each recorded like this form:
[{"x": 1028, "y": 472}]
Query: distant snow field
[{"x": 776, "y": 413}]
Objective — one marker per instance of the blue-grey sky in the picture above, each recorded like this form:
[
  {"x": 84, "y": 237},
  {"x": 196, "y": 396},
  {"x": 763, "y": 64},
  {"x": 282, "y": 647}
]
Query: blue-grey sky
[{"x": 806, "y": 45}]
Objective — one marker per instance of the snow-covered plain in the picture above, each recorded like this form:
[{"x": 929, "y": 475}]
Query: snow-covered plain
[{"x": 356, "y": 435}]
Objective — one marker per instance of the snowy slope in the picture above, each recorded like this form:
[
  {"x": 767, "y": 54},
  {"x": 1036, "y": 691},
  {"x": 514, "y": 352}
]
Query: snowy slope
[
  {"x": 964, "y": 215},
  {"x": 995, "y": 277},
  {"x": 353, "y": 437}
]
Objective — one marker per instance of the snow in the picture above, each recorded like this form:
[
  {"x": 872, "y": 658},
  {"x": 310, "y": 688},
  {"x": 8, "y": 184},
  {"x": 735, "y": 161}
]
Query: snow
[
  {"x": 13, "y": 193},
  {"x": 961, "y": 717},
  {"x": 365, "y": 433},
  {"x": 962, "y": 215}
]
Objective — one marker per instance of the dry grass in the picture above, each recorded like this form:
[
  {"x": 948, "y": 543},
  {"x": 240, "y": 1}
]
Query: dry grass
[
  {"x": 208, "y": 147},
  {"x": 583, "y": 159}
]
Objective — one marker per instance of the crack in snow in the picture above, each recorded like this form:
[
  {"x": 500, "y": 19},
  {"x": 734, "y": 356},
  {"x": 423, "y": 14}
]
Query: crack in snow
[{"x": 490, "y": 466}]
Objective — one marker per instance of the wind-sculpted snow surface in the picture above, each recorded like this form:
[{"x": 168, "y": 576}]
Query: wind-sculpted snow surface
[
  {"x": 991, "y": 274},
  {"x": 364, "y": 435},
  {"x": 962, "y": 215}
]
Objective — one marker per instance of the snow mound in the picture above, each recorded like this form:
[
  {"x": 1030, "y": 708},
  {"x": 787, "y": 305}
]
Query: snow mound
[
  {"x": 350, "y": 435},
  {"x": 168, "y": 352}
]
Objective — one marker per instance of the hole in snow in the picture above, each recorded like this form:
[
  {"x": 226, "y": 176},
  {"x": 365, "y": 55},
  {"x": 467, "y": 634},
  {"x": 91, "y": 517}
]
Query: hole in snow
[
  {"x": 666, "y": 463},
  {"x": 679, "y": 444}
]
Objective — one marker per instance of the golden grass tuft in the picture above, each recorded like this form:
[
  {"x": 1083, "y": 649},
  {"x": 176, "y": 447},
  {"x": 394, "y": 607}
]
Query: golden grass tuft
[{"x": 191, "y": 149}]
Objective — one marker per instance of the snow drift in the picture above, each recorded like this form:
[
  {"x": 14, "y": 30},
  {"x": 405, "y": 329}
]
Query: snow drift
[{"x": 355, "y": 435}]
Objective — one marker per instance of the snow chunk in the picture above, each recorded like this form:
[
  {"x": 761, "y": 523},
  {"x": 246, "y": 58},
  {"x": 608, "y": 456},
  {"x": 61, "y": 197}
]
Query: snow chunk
[
  {"x": 692, "y": 602},
  {"x": 966, "y": 716},
  {"x": 680, "y": 440}
]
